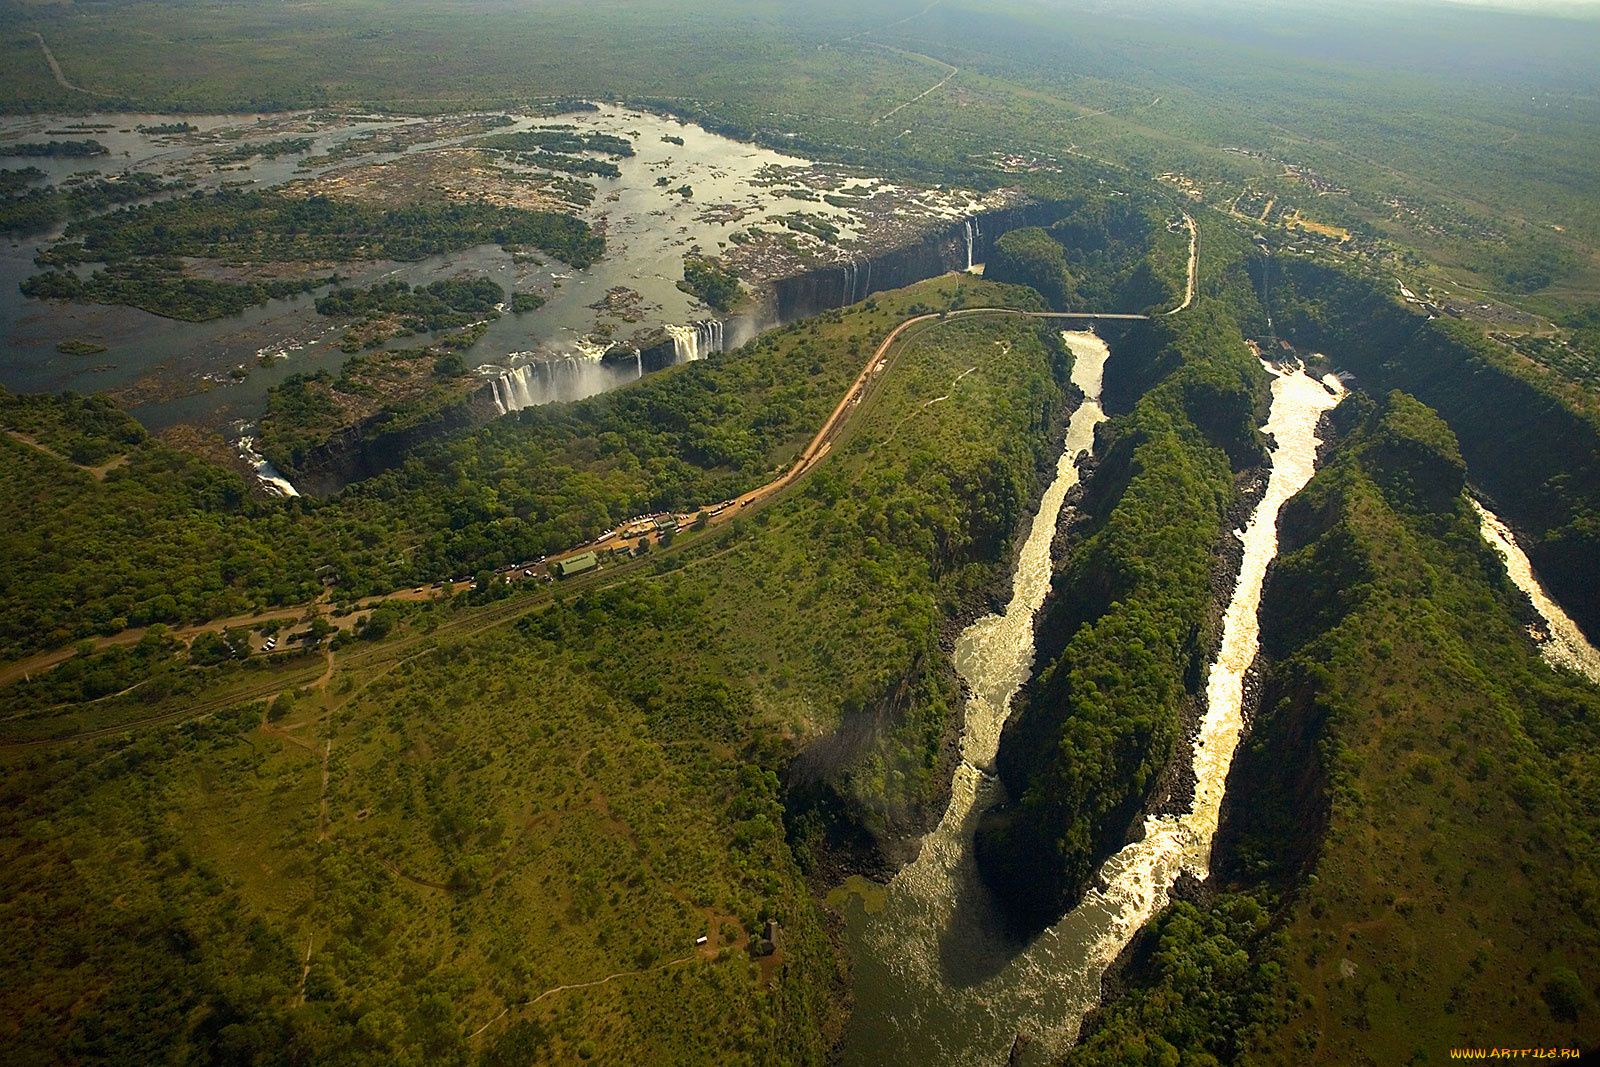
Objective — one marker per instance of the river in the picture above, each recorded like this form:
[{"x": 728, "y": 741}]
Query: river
[
  {"x": 1562, "y": 644},
  {"x": 937, "y": 980},
  {"x": 684, "y": 190}
]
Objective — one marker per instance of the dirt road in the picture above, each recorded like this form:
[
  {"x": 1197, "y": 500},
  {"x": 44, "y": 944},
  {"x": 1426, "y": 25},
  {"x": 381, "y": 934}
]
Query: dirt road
[
  {"x": 1194, "y": 263},
  {"x": 809, "y": 457}
]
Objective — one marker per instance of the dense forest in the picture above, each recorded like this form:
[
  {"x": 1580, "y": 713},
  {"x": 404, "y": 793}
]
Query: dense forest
[
  {"x": 440, "y": 305},
  {"x": 24, "y": 210}
]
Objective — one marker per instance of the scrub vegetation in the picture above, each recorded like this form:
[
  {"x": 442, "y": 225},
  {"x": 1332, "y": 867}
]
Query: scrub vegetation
[
  {"x": 505, "y": 793},
  {"x": 537, "y": 822},
  {"x": 1417, "y": 824}
]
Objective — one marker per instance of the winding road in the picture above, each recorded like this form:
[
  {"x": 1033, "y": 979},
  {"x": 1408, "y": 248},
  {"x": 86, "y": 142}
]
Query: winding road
[{"x": 809, "y": 458}]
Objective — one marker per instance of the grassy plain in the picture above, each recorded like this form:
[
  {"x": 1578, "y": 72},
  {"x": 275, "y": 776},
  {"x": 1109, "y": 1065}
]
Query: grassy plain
[{"x": 408, "y": 846}]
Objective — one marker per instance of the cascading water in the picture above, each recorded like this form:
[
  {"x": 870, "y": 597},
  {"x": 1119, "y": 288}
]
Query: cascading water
[
  {"x": 972, "y": 231},
  {"x": 857, "y": 283},
  {"x": 937, "y": 980},
  {"x": 270, "y": 476},
  {"x": 697, "y": 341},
  {"x": 545, "y": 380},
  {"x": 1564, "y": 645},
  {"x": 683, "y": 343}
]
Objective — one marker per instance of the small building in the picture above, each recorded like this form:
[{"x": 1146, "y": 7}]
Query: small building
[
  {"x": 769, "y": 939},
  {"x": 566, "y": 568}
]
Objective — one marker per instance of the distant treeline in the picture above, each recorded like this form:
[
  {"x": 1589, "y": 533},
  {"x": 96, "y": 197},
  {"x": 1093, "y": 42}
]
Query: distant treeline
[
  {"x": 161, "y": 288},
  {"x": 289, "y": 146},
  {"x": 564, "y": 139},
  {"x": 263, "y": 226},
  {"x": 441, "y": 305},
  {"x": 141, "y": 245}
]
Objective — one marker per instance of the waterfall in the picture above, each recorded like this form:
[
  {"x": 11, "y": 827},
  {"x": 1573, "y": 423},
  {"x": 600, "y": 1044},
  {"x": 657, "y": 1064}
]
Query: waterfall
[
  {"x": 696, "y": 341},
  {"x": 851, "y": 275},
  {"x": 271, "y": 477},
  {"x": 514, "y": 389},
  {"x": 546, "y": 379},
  {"x": 684, "y": 343},
  {"x": 966, "y": 228},
  {"x": 638, "y": 362}
]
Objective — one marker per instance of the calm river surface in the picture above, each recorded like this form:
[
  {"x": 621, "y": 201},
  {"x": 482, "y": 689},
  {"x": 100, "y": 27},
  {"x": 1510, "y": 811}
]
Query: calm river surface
[{"x": 937, "y": 981}]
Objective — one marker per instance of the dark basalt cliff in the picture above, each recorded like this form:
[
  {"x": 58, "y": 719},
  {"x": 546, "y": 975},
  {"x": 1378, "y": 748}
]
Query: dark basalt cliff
[
  {"x": 382, "y": 441},
  {"x": 856, "y": 278}
]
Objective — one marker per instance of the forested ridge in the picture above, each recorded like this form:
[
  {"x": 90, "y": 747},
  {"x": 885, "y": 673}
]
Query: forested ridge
[
  {"x": 1531, "y": 441},
  {"x": 1100, "y": 721},
  {"x": 1411, "y": 818}
]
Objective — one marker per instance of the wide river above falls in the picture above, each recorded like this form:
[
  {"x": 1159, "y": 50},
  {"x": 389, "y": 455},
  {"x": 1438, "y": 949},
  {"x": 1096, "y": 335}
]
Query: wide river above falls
[
  {"x": 937, "y": 982},
  {"x": 684, "y": 189}
]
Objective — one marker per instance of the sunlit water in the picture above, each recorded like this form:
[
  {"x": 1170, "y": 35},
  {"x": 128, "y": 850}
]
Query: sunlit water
[
  {"x": 937, "y": 981},
  {"x": 649, "y": 227},
  {"x": 1565, "y": 645}
]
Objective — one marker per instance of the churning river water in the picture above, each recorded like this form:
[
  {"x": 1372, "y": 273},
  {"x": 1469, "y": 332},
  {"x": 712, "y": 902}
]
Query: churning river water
[
  {"x": 1563, "y": 644},
  {"x": 937, "y": 980}
]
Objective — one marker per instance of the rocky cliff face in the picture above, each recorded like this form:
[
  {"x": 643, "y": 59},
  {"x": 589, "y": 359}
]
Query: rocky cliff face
[
  {"x": 1533, "y": 451},
  {"x": 374, "y": 445},
  {"x": 961, "y": 244}
]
